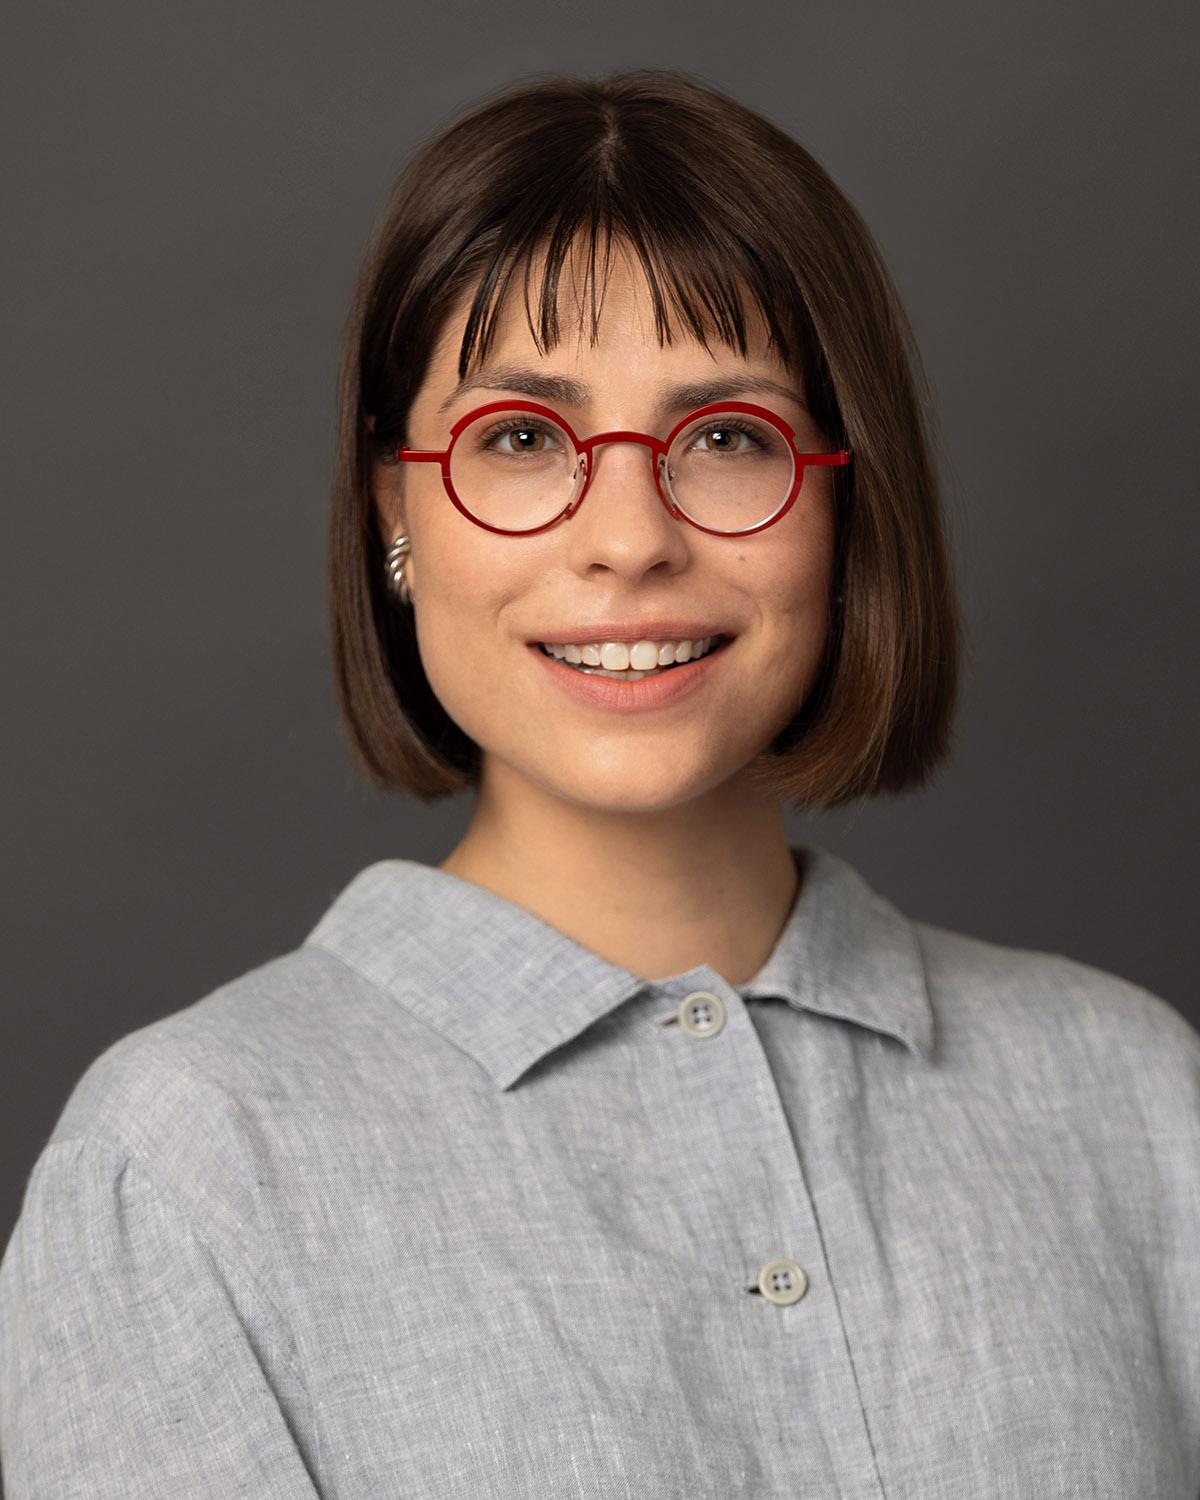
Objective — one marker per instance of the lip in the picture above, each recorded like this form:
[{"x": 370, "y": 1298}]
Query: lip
[
  {"x": 659, "y": 691},
  {"x": 628, "y": 631}
]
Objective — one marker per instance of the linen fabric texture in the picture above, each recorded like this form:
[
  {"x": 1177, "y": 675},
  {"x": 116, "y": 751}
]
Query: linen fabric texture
[{"x": 441, "y": 1203}]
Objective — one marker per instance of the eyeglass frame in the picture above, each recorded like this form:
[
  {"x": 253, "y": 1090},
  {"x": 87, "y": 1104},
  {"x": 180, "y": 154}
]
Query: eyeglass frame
[{"x": 659, "y": 448}]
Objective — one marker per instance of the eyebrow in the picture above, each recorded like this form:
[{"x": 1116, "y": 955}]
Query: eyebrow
[{"x": 570, "y": 392}]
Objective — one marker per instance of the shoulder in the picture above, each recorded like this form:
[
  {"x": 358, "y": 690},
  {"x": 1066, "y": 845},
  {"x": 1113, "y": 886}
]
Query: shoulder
[
  {"x": 205, "y": 1094},
  {"x": 1058, "y": 1019},
  {"x": 1056, "y": 992}
]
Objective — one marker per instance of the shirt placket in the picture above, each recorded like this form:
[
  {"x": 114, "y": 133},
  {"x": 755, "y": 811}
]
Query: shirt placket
[{"x": 756, "y": 1214}]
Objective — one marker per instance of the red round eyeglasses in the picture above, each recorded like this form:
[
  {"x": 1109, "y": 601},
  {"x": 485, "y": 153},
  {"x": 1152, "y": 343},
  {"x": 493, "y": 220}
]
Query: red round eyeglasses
[{"x": 489, "y": 485}]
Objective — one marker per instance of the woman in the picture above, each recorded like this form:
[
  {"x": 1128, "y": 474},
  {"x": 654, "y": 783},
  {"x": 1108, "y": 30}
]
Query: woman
[{"x": 632, "y": 1150}]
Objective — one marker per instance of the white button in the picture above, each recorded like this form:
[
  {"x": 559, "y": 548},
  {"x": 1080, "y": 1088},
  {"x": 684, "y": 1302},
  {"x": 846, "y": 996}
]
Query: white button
[
  {"x": 782, "y": 1281},
  {"x": 702, "y": 1013}
]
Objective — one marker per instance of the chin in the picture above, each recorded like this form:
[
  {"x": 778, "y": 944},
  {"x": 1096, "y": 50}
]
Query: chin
[{"x": 630, "y": 784}]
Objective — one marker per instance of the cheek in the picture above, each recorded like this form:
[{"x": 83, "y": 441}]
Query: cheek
[
  {"x": 465, "y": 678},
  {"x": 466, "y": 622},
  {"x": 797, "y": 642},
  {"x": 794, "y": 600}
]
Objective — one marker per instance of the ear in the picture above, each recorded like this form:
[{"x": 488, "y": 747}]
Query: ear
[
  {"x": 387, "y": 501},
  {"x": 387, "y": 495}
]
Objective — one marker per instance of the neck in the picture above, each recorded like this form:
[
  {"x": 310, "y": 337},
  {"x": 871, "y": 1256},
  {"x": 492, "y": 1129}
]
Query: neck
[{"x": 710, "y": 881}]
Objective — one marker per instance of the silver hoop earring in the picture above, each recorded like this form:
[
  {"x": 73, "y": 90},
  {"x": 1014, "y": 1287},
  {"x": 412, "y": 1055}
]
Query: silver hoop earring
[{"x": 394, "y": 567}]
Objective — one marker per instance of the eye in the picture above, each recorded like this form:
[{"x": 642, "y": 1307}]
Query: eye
[
  {"x": 521, "y": 435},
  {"x": 728, "y": 435}
]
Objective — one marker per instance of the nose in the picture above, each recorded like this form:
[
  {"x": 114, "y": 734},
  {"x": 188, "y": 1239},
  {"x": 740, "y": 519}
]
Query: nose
[{"x": 622, "y": 523}]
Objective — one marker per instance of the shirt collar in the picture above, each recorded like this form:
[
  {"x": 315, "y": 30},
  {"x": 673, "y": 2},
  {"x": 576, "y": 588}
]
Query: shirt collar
[{"x": 508, "y": 988}]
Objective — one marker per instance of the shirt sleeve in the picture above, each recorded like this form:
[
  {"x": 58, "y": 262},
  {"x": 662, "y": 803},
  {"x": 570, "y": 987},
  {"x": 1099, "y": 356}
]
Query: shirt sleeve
[{"x": 134, "y": 1359}]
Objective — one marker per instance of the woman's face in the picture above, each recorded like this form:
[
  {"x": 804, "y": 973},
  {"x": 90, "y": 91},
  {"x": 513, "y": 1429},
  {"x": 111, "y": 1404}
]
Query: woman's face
[{"x": 480, "y": 598}]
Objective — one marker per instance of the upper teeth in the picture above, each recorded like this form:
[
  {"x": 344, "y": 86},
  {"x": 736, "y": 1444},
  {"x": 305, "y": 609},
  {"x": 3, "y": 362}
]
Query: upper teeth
[{"x": 641, "y": 656}]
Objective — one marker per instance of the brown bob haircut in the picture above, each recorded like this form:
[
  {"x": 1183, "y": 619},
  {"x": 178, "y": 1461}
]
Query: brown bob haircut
[{"x": 719, "y": 205}]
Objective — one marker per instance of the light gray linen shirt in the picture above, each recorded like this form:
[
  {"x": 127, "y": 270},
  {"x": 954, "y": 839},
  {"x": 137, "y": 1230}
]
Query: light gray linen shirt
[{"x": 441, "y": 1203}]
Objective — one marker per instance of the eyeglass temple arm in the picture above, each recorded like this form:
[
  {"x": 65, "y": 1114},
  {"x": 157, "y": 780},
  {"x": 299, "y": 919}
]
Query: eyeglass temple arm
[
  {"x": 826, "y": 460},
  {"x": 419, "y": 455}
]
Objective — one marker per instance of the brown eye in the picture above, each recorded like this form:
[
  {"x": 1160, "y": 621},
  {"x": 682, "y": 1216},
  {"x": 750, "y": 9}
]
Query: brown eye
[
  {"x": 733, "y": 437},
  {"x": 512, "y": 438}
]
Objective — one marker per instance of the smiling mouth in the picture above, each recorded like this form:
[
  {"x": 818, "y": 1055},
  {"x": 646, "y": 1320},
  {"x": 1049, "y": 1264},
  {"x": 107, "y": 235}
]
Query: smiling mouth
[{"x": 630, "y": 675}]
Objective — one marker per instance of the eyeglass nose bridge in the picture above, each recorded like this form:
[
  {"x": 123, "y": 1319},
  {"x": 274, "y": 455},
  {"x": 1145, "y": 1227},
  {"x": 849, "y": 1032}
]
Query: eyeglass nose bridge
[
  {"x": 585, "y": 466},
  {"x": 646, "y": 439}
]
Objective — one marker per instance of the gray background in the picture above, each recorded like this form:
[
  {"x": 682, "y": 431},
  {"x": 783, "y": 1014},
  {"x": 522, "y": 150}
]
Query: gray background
[{"x": 186, "y": 193}]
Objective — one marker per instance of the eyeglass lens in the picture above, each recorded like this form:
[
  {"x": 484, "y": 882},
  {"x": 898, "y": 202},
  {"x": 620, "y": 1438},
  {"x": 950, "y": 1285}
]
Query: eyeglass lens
[{"x": 726, "y": 471}]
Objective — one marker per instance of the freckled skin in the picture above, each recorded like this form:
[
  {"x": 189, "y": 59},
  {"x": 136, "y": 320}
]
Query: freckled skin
[{"x": 633, "y": 799}]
